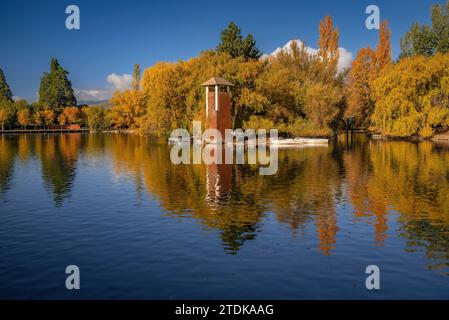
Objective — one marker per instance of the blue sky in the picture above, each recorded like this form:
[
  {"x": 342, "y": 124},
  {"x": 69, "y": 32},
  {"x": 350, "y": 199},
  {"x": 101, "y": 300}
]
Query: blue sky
[{"x": 115, "y": 35}]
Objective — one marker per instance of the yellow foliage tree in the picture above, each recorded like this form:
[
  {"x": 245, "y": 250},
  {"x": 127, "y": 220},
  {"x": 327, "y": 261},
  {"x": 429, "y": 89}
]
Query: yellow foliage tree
[
  {"x": 24, "y": 117},
  {"x": 70, "y": 115},
  {"x": 47, "y": 117},
  {"x": 4, "y": 117},
  {"x": 128, "y": 108},
  {"x": 328, "y": 46},
  {"x": 383, "y": 53},
  {"x": 360, "y": 104},
  {"x": 366, "y": 67},
  {"x": 412, "y": 98}
]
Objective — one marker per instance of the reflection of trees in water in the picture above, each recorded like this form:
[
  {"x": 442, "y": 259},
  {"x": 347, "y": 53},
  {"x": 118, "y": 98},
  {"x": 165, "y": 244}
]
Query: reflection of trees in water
[
  {"x": 58, "y": 155},
  {"x": 208, "y": 193},
  {"x": 233, "y": 199},
  {"x": 311, "y": 192},
  {"x": 433, "y": 238},
  {"x": 8, "y": 152},
  {"x": 377, "y": 177},
  {"x": 407, "y": 178},
  {"x": 368, "y": 205}
]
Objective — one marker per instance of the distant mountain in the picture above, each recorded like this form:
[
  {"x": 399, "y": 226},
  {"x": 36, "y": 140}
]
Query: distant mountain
[{"x": 102, "y": 103}]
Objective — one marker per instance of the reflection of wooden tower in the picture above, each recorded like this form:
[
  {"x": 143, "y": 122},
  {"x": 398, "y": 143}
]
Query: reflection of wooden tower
[
  {"x": 218, "y": 179},
  {"x": 218, "y": 104},
  {"x": 218, "y": 182}
]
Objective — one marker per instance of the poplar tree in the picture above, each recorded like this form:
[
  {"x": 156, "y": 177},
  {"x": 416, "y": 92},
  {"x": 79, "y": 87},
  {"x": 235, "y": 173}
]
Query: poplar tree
[
  {"x": 328, "y": 47},
  {"x": 136, "y": 77},
  {"x": 383, "y": 53}
]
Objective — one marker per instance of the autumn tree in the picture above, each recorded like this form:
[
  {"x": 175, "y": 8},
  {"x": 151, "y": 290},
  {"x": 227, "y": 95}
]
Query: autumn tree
[
  {"x": 128, "y": 108},
  {"x": 360, "y": 103},
  {"x": 4, "y": 117},
  {"x": 37, "y": 118},
  {"x": 366, "y": 67},
  {"x": 95, "y": 117},
  {"x": 47, "y": 117},
  {"x": 322, "y": 107},
  {"x": 70, "y": 115},
  {"x": 283, "y": 85},
  {"x": 24, "y": 117},
  {"x": 7, "y": 112},
  {"x": 383, "y": 53},
  {"x": 62, "y": 119},
  {"x": 412, "y": 98},
  {"x": 328, "y": 46},
  {"x": 166, "y": 109}
]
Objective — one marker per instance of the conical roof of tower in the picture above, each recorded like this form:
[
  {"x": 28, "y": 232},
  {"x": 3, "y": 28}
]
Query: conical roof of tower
[{"x": 217, "y": 81}]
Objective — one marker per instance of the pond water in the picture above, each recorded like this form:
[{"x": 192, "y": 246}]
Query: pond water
[{"x": 140, "y": 227}]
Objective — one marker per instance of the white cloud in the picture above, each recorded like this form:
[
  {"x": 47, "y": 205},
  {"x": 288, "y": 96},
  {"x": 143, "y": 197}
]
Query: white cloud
[
  {"x": 92, "y": 94},
  {"x": 287, "y": 47},
  {"x": 344, "y": 61},
  {"x": 117, "y": 82},
  {"x": 120, "y": 82},
  {"x": 17, "y": 98}
]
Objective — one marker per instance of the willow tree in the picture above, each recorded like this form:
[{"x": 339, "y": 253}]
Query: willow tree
[{"x": 412, "y": 98}]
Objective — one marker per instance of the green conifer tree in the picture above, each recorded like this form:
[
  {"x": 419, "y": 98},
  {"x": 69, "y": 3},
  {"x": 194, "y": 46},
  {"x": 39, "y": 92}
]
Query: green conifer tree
[
  {"x": 233, "y": 43},
  {"x": 5, "y": 91},
  {"x": 55, "y": 90}
]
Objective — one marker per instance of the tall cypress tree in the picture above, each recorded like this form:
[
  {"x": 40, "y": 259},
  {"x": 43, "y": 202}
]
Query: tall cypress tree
[
  {"x": 5, "y": 91},
  {"x": 55, "y": 90}
]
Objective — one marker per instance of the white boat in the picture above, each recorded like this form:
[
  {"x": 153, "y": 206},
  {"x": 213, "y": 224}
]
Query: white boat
[
  {"x": 178, "y": 139},
  {"x": 299, "y": 141},
  {"x": 312, "y": 140},
  {"x": 283, "y": 141}
]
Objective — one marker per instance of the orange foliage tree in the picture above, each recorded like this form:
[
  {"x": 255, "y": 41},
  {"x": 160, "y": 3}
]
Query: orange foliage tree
[
  {"x": 366, "y": 67},
  {"x": 328, "y": 46}
]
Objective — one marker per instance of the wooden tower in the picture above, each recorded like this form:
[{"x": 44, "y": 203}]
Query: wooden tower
[{"x": 218, "y": 104}]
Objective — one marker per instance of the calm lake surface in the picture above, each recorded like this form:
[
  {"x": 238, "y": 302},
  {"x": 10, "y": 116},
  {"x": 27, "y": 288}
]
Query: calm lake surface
[{"x": 140, "y": 227}]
